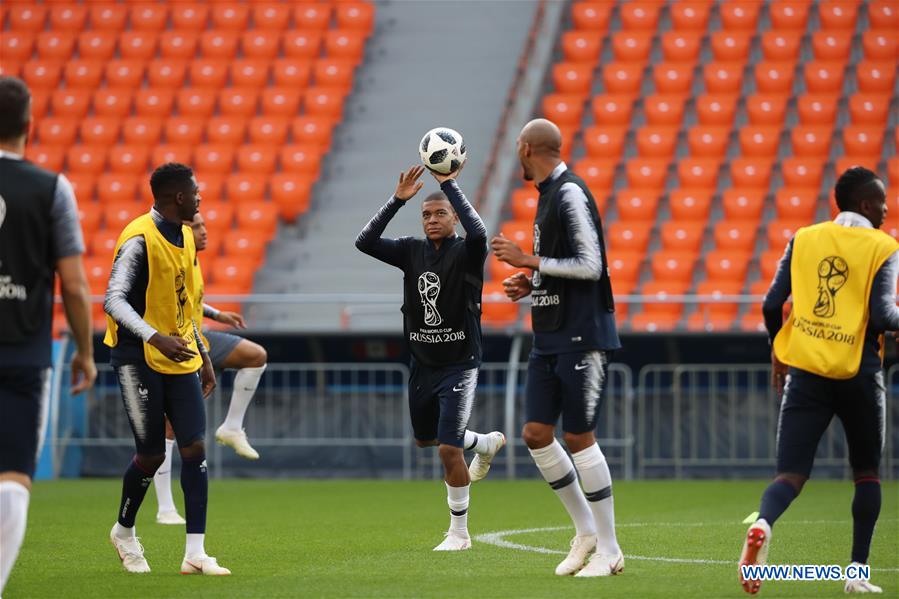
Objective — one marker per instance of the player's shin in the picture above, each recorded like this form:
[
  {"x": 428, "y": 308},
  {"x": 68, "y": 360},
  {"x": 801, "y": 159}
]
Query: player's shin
[
  {"x": 775, "y": 500},
  {"x": 13, "y": 517},
  {"x": 195, "y": 484},
  {"x": 596, "y": 479},
  {"x": 245, "y": 383},
  {"x": 865, "y": 511},
  {"x": 558, "y": 470},
  {"x": 457, "y": 499},
  {"x": 135, "y": 483},
  {"x": 162, "y": 481}
]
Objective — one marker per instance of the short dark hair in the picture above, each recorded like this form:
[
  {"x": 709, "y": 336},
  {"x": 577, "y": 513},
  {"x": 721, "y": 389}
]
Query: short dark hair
[
  {"x": 15, "y": 108},
  {"x": 437, "y": 196},
  {"x": 170, "y": 178},
  {"x": 850, "y": 184}
]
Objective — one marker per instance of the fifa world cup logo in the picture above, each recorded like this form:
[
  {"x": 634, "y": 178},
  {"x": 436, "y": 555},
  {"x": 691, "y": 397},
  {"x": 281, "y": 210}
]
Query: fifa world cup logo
[
  {"x": 535, "y": 278},
  {"x": 181, "y": 292},
  {"x": 832, "y": 275},
  {"x": 429, "y": 289}
]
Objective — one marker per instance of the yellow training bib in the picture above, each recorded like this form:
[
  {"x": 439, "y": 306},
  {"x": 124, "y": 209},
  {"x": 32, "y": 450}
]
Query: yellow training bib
[
  {"x": 170, "y": 294},
  {"x": 832, "y": 271}
]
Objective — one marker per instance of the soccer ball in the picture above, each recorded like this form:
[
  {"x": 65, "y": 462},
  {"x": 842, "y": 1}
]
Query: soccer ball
[{"x": 442, "y": 150}]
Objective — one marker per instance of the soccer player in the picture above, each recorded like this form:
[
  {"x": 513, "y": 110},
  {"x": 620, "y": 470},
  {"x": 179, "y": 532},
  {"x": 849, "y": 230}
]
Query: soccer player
[
  {"x": 443, "y": 278},
  {"x": 574, "y": 336},
  {"x": 157, "y": 352},
  {"x": 39, "y": 237},
  {"x": 827, "y": 357},
  {"x": 225, "y": 351}
]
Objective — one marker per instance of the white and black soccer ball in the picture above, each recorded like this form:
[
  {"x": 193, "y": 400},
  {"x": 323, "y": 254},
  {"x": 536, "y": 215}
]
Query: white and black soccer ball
[{"x": 442, "y": 150}]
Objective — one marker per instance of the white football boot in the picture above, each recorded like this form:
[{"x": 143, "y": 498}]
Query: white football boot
[
  {"x": 236, "y": 439},
  {"x": 131, "y": 553},
  {"x": 169, "y": 517},
  {"x": 454, "y": 542},
  {"x": 480, "y": 465},
  {"x": 603, "y": 564},
  {"x": 861, "y": 586},
  {"x": 755, "y": 551},
  {"x": 205, "y": 565},
  {"x": 581, "y": 548}
]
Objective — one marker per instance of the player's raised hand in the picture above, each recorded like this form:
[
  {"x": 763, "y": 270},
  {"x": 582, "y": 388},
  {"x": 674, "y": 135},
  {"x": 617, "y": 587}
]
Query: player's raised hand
[
  {"x": 84, "y": 373},
  {"x": 409, "y": 184},
  {"x": 507, "y": 251},
  {"x": 175, "y": 348},
  {"x": 453, "y": 175},
  {"x": 517, "y": 286},
  {"x": 232, "y": 319},
  {"x": 207, "y": 376}
]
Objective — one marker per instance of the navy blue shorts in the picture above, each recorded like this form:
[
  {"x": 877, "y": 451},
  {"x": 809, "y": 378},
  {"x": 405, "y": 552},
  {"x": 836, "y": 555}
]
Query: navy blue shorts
[
  {"x": 24, "y": 400},
  {"x": 571, "y": 385},
  {"x": 220, "y": 346},
  {"x": 809, "y": 404},
  {"x": 440, "y": 402},
  {"x": 150, "y": 396}
]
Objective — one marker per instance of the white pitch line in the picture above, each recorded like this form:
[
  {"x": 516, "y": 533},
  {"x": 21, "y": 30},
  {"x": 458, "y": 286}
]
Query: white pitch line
[{"x": 498, "y": 539}]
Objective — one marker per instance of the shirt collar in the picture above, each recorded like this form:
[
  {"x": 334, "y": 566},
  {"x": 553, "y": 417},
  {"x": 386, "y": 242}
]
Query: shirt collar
[
  {"x": 557, "y": 172},
  {"x": 10, "y": 155},
  {"x": 852, "y": 219}
]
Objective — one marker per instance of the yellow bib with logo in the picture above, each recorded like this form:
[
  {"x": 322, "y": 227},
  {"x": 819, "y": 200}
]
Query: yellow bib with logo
[
  {"x": 832, "y": 271},
  {"x": 199, "y": 290},
  {"x": 170, "y": 294}
]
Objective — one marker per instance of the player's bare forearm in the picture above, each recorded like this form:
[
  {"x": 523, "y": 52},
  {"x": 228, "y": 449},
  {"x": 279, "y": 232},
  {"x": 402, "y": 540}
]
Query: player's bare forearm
[
  {"x": 507, "y": 251},
  {"x": 76, "y": 301}
]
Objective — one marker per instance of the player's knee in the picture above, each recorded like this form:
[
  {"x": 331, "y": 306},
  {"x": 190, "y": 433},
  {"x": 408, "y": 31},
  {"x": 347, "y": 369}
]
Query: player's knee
[
  {"x": 257, "y": 356},
  {"x": 535, "y": 436},
  {"x": 797, "y": 481},
  {"x": 578, "y": 441},
  {"x": 450, "y": 454},
  {"x": 422, "y": 444},
  {"x": 194, "y": 451},
  {"x": 865, "y": 473},
  {"x": 150, "y": 463}
]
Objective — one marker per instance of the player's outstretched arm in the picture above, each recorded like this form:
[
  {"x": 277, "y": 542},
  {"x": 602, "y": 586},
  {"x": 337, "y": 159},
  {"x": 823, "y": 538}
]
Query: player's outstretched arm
[
  {"x": 475, "y": 231},
  {"x": 370, "y": 240},
  {"x": 232, "y": 319},
  {"x": 76, "y": 300},
  {"x": 778, "y": 293}
]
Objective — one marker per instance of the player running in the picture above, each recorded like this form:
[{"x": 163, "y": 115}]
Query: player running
[
  {"x": 225, "y": 351},
  {"x": 39, "y": 237},
  {"x": 574, "y": 336},
  {"x": 157, "y": 352},
  {"x": 443, "y": 278},
  {"x": 827, "y": 358}
]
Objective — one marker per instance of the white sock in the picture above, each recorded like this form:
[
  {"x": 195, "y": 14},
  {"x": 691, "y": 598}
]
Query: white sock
[
  {"x": 162, "y": 480},
  {"x": 597, "y": 481},
  {"x": 193, "y": 547},
  {"x": 122, "y": 532},
  {"x": 558, "y": 471},
  {"x": 13, "y": 518},
  {"x": 245, "y": 382},
  {"x": 457, "y": 499},
  {"x": 476, "y": 442}
]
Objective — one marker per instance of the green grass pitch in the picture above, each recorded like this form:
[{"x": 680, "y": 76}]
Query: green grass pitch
[{"x": 374, "y": 539}]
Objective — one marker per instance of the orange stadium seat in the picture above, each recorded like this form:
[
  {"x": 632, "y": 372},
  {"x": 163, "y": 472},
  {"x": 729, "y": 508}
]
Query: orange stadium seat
[
  {"x": 237, "y": 272},
  {"x": 716, "y": 110},
  {"x": 672, "y": 78},
  {"x": 628, "y": 237},
  {"x": 70, "y": 103},
  {"x": 751, "y": 173},
  {"x": 172, "y": 153},
  {"x": 214, "y": 158},
  {"x": 40, "y": 103},
  {"x": 639, "y": 15},
  {"x": 190, "y": 16},
  {"x": 89, "y": 213},
  {"x": 157, "y": 101},
  {"x": 883, "y": 14},
  {"x": 847, "y": 162},
  {"x": 102, "y": 244},
  {"x": 268, "y": 130},
  {"x": 16, "y": 45},
  {"x": 739, "y": 15},
  {"x": 802, "y": 172},
  {"x": 581, "y": 46},
  {"x": 646, "y": 173},
  {"x": 723, "y": 78},
  {"x": 759, "y": 142},
  {"x": 96, "y": 44},
  {"x": 611, "y": 109},
  {"x": 260, "y": 216},
  {"x": 246, "y": 187},
  {"x": 283, "y": 101},
  {"x": 138, "y": 45},
  {"x": 622, "y": 78},
  {"x": 183, "y": 130},
  {"x": 524, "y": 203},
  {"x": 124, "y": 73},
  {"x": 54, "y": 45},
  {"x": 57, "y": 131},
  {"x": 780, "y": 232},
  {"x": 178, "y": 44},
  {"x": 708, "y": 142},
  {"x": 681, "y": 46},
  {"x": 314, "y": 130},
  {"x": 624, "y": 268},
  {"x": 656, "y": 142},
  {"x": 240, "y": 102},
  {"x": 592, "y": 16},
  {"x": 345, "y": 45},
  {"x": 637, "y": 204},
  {"x": 49, "y": 157},
  {"x": 743, "y": 204},
  {"x": 68, "y": 17},
  {"x": 781, "y": 46},
  {"x": 496, "y": 309},
  {"x": 861, "y": 140},
  {"x": 893, "y": 173},
  {"x": 682, "y": 236},
  {"x": 249, "y": 73},
  {"x": 312, "y": 16},
  {"x": 302, "y": 44},
  {"x": 796, "y": 204},
  {"x": 673, "y": 266},
  {"x": 149, "y": 17},
  {"x": 727, "y": 265},
  {"x": 259, "y": 45},
  {"x": 823, "y": 77},
  {"x": 880, "y": 45},
  {"x": 101, "y": 130},
  {"x": 604, "y": 142},
  {"x": 735, "y": 235},
  {"x": 598, "y": 173},
  {"x": 767, "y": 109},
  {"x": 520, "y": 232},
  {"x": 865, "y": 109},
  {"x": 663, "y": 109},
  {"x": 875, "y": 77},
  {"x": 167, "y": 73},
  {"x": 811, "y": 141},
  {"x": 129, "y": 159},
  {"x": 195, "y": 102},
  {"x": 119, "y": 214},
  {"x": 300, "y": 159},
  {"x": 563, "y": 109},
  {"x": 774, "y": 77},
  {"x": 42, "y": 74},
  {"x": 219, "y": 44},
  {"x": 334, "y": 73},
  {"x": 832, "y": 45},
  {"x": 116, "y": 187},
  {"x": 731, "y": 46},
  {"x": 689, "y": 15},
  {"x": 714, "y": 316},
  {"x": 698, "y": 173},
  {"x": 219, "y": 216},
  {"x": 83, "y": 73},
  {"x": 235, "y": 17},
  {"x": 818, "y": 110},
  {"x": 271, "y": 16},
  {"x": 86, "y": 159},
  {"x": 142, "y": 130},
  {"x": 569, "y": 78},
  {"x": 255, "y": 158},
  {"x": 837, "y": 14},
  {"x": 13, "y": 68},
  {"x": 27, "y": 17},
  {"x": 291, "y": 193},
  {"x": 96, "y": 270},
  {"x": 788, "y": 15},
  {"x": 292, "y": 72},
  {"x": 631, "y": 46},
  {"x": 359, "y": 16},
  {"x": 208, "y": 73},
  {"x": 690, "y": 204}
]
